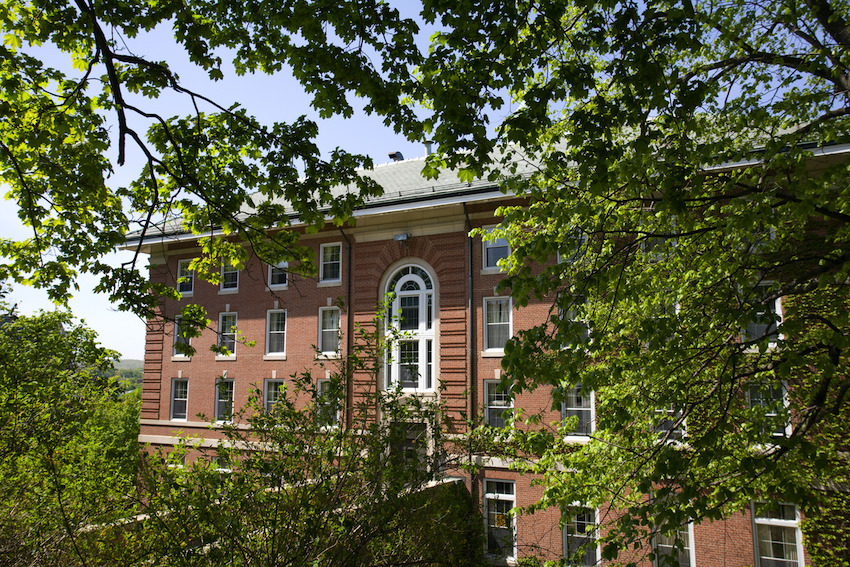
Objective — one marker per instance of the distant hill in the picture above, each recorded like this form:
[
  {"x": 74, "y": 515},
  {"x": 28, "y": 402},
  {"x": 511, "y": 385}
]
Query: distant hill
[{"x": 129, "y": 364}]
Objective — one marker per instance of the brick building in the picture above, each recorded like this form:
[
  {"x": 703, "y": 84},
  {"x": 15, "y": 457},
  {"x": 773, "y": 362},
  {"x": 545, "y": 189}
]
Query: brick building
[{"x": 414, "y": 240}]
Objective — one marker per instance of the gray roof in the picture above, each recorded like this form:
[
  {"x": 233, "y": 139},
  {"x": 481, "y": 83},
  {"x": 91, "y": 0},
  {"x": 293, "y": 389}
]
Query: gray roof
[{"x": 402, "y": 182}]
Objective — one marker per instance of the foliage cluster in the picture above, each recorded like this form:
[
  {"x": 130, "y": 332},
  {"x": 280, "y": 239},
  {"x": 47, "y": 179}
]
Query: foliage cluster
[
  {"x": 308, "y": 481},
  {"x": 297, "y": 491},
  {"x": 68, "y": 449},
  {"x": 689, "y": 170}
]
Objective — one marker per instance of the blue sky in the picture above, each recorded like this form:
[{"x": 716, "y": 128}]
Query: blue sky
[{"x": 270, "y": 98}]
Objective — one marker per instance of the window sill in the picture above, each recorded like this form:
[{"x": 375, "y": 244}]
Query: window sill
[
  {"x": 276, "y": 287},
  {"x": 329, "y": 283},
  {"x": 220, "y": 358},
  {"x": 499, "y": 560},
  {"x": 416, "y": 391},
  {"x": 577, "y": 439},
  {"x": 228, "y": 291},
  {"x": 275, "y": 356},
  {"x": 327, "y": 356},
  {"x": 757, "y": 350},
  {"x": 185, "y": 294},
  {"x": 175, "y": 422},
  {"x": 181, "y": 359},
  {"x": 492, "y": 271},
  {"x": 493, "y": 353}
]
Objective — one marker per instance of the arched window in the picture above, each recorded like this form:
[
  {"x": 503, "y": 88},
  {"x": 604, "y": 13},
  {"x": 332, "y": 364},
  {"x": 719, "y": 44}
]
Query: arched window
[{"x": 411, "y": 362}]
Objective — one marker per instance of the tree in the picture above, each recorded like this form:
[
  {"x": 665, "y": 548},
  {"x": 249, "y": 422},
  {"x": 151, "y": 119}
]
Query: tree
[
  {"x": 686, "y": 174},
  {"x": 311, "y": 480},
  {"x": 683, "y": 181},
  {"x": 299, "y": 490},
  {"x": 295, "y": 487},
  {"x": 66, "y": 107},
  {"x": 68, "y": 446}
]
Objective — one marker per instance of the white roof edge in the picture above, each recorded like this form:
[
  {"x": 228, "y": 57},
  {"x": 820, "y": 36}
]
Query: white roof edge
[
  {"x": 380, "y": 210},
  {"x": 431, "y": 203},
  {"x": 821, "y": 151}
]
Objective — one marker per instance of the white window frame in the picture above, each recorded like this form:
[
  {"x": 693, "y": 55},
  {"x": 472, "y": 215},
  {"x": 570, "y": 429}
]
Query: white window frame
[
  {"x": 422, "y": 336},
  {"x": 272, "y": 385},
  {"x": 487, "y": 245},
  {"x": 786, "y": 428},
  {"x": 489, "y": 500},
  {"x": 323, "y": 277},
  {"x": 689, "y": 530},
  {"x": 496, "y": 351},
  {"x": 780, "y": 523},
  {"x": 573, "y": 435},
  {"x": 577, "y": 252},
  {"x": 322, "y": 330},
  {"x": 270, "y": 333},
  {"x": 177, "y": 339},
  {"x": 190, "y": 274},
  {"x": 571, "y": 316},
  {"x": 671, "y": 415},
  {"x": 493, "y": 393},
  {"x": 747, "y": 336},
  {"x": 594, "y": 536},
  {"x": 225, "y": 286},
  {"x": 280, "y": 267},
  {"x": 232, "y": 331},
  {"x": 219, "y": 415},
  {"x": 175, "y": 399},
  {"x": 323, "y": 404}
]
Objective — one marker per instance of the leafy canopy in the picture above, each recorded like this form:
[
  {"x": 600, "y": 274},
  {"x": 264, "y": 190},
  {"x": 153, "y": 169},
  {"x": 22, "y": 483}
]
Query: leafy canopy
[
  {"x": 68, "y": 441},
  {"x": 640, "y": 116},
  {"x": 690, "y": 173},
  {"x": 74, "y": 93}
]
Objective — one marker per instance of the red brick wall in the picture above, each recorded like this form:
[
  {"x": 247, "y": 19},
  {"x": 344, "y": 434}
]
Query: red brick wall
[{"x": 448, "y": 255}]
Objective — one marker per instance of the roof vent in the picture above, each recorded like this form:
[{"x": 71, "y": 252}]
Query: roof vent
[
  {"x": 428, "y": 144},
  {"x": 396, "y": 156}
]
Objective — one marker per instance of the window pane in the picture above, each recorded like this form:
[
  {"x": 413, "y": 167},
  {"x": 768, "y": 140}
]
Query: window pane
[
  {"x": 665, "y": 545},
  {"x": 274, "y": 392},
  {"x": 409, "y": 312},
  {"x": 497, "y": 402},
  {"x": 224, "y": 400},
  {"x": 773, "y": 399},
  {"x": 227, "y": 332},
  {"x": 326, "y": 404},
  {"x": 578, "y": 404},
  {"x": 185, "y": 277},
  {"x": 498, "y": 323},
  {"x": 330, "y": 330},
  {"x": 671, "y": 424},
  {"x": 229, "y": 277},
  {"x": 765, "y": 319},
  {"x": 494, "y": 251},
  {"x": 277, "y": 332},
  {"x": 179, "y": 399},
  {"x": 429, "y": 371},
  {"x": 179, "y": 337},
  {"x": 580, "y": 537},
  {"x": 277, "y": 274},
  {"x": 331, "y": 262},
  {"x": 500, "y": 537},
  {"x": 777, "y": 546},
  {"x": 499, "y": 487},
  {"x": 409, "y": 363}
]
